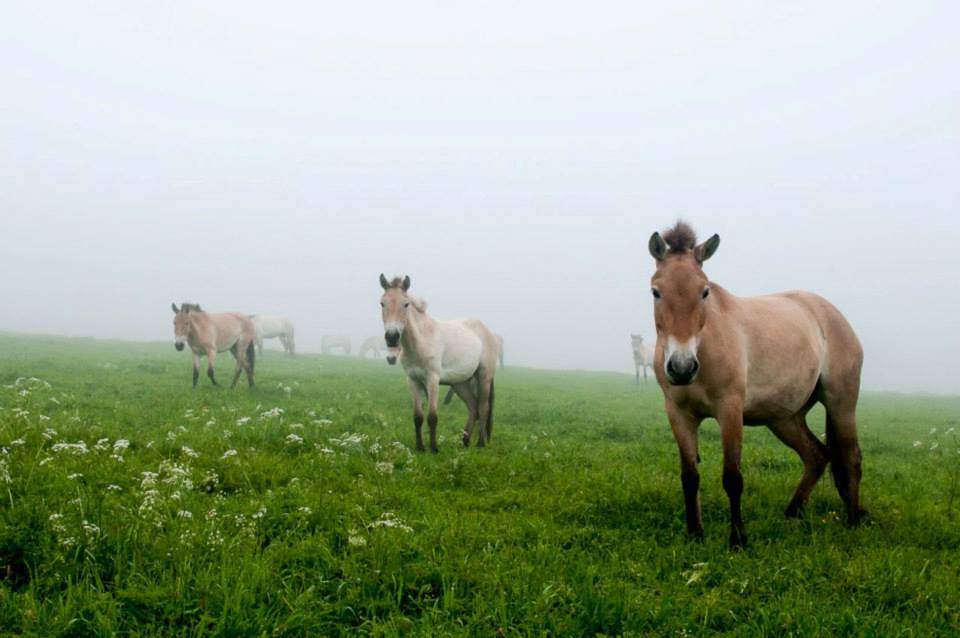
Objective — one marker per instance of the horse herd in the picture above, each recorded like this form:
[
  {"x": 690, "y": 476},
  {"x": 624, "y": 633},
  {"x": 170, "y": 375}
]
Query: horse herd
[{"x": 763, "y": 360}]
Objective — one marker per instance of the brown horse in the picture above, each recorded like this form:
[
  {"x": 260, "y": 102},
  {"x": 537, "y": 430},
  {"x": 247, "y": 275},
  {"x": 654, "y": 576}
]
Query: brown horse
[
  {"x": 208, "y": 334},
  {"x": 460, "y": 353},
  {"x": 752, "y": 361}
]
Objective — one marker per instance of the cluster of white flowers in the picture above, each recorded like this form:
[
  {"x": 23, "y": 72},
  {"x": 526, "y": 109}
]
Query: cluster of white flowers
[
  {"x": 272, "y": 413},
  {"x": 390, "y": 520},
  {"x": 189, "y": 452},
  {"x": 294, "y": 439},
  {"x": 77, "y": 449},
  {"x": 228, "y": 454},
  {"x": 354, "y": 440}
]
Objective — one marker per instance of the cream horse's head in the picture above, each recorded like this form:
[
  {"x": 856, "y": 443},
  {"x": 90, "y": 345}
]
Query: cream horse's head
[
  {"x": 395, "y": 306},
  {"x": 680, "y": 293}
]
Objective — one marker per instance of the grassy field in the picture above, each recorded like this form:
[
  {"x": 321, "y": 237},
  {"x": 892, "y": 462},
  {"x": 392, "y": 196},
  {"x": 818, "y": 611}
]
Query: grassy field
[{"x": 131, "y": 504}]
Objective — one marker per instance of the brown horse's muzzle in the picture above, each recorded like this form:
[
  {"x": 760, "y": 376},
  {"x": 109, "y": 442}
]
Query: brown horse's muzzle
[
  {"x": 682, "y": 370},
  {"x": 178, "y": 345}
]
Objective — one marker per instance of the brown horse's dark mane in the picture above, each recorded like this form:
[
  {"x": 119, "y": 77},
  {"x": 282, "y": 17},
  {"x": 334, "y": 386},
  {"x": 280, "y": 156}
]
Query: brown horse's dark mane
[
  {"x": 396, "y": 282},
  {"x": 680, "y": 238},
  {"x": 187, "y": 307}
]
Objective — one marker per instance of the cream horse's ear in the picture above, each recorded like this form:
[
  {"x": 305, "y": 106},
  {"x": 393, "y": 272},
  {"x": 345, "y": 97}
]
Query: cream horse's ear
[
  {"x": 705, "y": 250},
  {"x": 658, "y": 247},
  {"x": 175, "y": 309},
  {"x": 406, "y": 283},
  {"x": 384, "y": 283}
]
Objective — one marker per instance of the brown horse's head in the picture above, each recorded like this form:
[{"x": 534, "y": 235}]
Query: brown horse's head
[
  {"x": 680, "y": 292},
  {"x": 182, "y": 323},
  {"x": 395, "y": 304}
]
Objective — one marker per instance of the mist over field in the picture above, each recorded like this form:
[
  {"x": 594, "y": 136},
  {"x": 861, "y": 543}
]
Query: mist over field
[{"x": 513, "y": 160}]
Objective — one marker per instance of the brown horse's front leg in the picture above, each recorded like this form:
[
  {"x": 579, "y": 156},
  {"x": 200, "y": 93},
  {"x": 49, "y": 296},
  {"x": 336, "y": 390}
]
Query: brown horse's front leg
[
  {"x": 417, "y": 412},
  {"x": 684, "y": 428},
  {"x": 433, "y": 397},
  {"x": 211, "y": 365},
  {"x": 731, "y": 431},
  {"x": 196, "y": 368}
]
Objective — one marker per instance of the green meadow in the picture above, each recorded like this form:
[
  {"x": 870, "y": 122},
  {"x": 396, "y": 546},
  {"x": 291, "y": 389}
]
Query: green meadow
[{"x": 133, "y": 505}]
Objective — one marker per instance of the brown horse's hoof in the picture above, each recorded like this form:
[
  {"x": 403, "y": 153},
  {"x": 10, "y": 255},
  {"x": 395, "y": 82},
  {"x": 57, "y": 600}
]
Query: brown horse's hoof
[
  {"x": 696, "y": 535},
  {"x": 738, "y": 539},
  {"x": 466, "y": 441},
  {"x": 434, "y": 450},
  {"x": 794, "y": 510}
]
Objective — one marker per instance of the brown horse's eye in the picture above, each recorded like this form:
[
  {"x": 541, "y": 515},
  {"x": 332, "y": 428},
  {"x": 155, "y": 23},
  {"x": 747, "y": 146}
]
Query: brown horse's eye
[
  {"x": 406, "y": 305},
  {"x": 656, "y": 293},
  {"x": 705, "y": 293}
]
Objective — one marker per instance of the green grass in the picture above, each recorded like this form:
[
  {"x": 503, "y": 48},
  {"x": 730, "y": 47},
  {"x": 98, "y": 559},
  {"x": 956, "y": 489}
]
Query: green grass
[{"x": 217, "y": 519}]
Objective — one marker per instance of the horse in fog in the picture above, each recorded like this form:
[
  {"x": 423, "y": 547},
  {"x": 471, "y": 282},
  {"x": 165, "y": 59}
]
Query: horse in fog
[
  {"x": 328, "y": 343},
  {"x": 752, "y": 361},
  {"x": 210, "y": 333},
  {"x": 460, "y": 353},
  {"x": 273, "y": 326},
  {"x": 372, "y": 345},
  {"x": 642, "y": 356}
]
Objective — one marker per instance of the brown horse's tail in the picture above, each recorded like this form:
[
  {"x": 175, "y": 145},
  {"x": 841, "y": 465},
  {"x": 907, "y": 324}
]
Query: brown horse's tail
[{"x": 489, "y": 424}]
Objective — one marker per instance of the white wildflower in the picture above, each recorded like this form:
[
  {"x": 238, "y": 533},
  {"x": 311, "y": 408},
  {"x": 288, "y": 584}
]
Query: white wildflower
[
  {"x": 294, "y": 439},
  {"x": 304, "y": 510},
  {"x": 75, "y": 476},
  {"x": 385, "y": 467},
  {"x": 17, "y": 442},
  {"x": 189, "y": 452},
  {"x": 49, "y": 434},
  {"x": 77, "y": 449},
  {"x": 272, "y": 413},
  {"x": 120, "y": 444},
  {"x": 243, "y": 420},
  {"x": 114, "y": 488},
  {"x": 229, "y": 453},
  {"x": 185, "y": 514}
]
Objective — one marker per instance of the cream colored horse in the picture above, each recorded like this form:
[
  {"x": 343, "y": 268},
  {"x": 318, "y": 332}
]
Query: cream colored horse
[
  {"x": 751, "y": 361},
  {"x": 642, "y": 356},
  {"x": 329, "y": 342},
  {"x": 372, "y": 345},
  {"x": 208, "y": 334},
  {"x": 273, "y": 326},
  {"x": 460, "y": 353}
]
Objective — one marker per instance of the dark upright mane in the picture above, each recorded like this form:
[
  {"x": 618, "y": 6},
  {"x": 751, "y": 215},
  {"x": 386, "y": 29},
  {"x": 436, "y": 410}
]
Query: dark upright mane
[
  {"x": 396, "y": 282},
  {"x": 680, "y": 238},
  {"x": 187, "y": 307}
]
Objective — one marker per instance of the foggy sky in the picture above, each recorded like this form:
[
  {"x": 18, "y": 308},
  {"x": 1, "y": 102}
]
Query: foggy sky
[{"x": 512, "y": 158}]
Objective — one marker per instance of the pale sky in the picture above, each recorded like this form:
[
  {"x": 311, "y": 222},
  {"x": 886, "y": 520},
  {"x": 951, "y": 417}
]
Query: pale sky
[{"x": 512, "y": 158}]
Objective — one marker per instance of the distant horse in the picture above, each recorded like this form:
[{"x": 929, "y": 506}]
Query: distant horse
[
  {"x": 447, "y": 399},
  {"x": 642, "y": 356},
  {"x": 329, "y": 342},
  {"x": 270, "y": 326},
  {"x": 751, "y": 361},
  {"x": 372, "y": 345},
  {"x": 210, "y": 333},
  {"x": 460, "y": 353}
]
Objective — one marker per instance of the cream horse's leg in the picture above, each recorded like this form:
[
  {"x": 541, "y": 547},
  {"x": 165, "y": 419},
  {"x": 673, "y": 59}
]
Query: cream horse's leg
[
  {"x": 465, "y": 391},
  {"x": 433, "y": 397},
  {"x": 417, "y": 411},
  {"x": 211, "y": 363}
]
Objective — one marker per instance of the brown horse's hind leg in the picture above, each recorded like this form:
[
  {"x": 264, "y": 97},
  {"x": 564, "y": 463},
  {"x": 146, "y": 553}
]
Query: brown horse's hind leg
[
  {"x": 484, "y": 388},
  {"x": 238, "y": 370},
  {"x": 796, "y": 435},
  {"x": 845, "y": 458},
  {"x": 465, "y": 392}
]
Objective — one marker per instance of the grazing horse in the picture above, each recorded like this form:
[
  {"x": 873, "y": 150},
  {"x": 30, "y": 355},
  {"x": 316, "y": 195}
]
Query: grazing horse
[
  {"x": 329, "y": 342},
  {"x": 642, "y": 356},
  {"x": 460, "y": 353},
  {"x": 752, "y": 361},
  {"x": 270, "y": 326},
  {"x": 210, "y": 333},
  {"x": 372, "y": 345}
]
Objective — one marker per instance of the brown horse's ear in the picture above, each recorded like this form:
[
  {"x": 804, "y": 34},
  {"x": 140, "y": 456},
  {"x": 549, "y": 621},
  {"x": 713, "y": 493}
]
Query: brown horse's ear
[
  {"x": 384, "y": 283},
  {"x": 658, "y": 247},
  {"x": 705, "y": 250},
  {"x": 175, "y": 309},
  {"x": 406, "y": 283}
]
